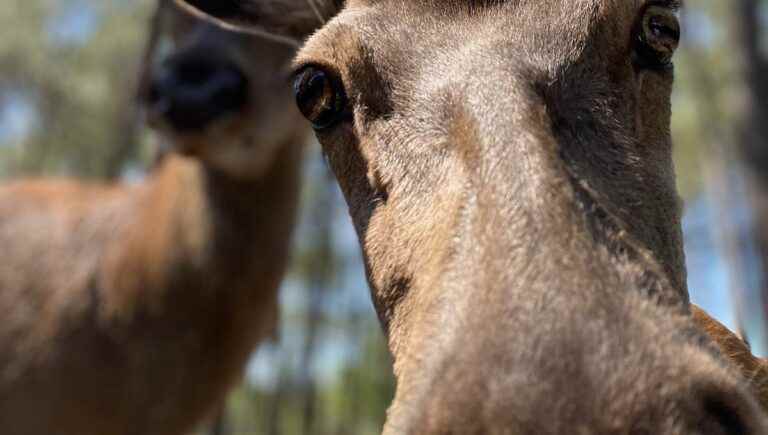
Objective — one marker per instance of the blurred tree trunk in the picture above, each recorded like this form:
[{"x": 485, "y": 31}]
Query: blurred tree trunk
[
  {"x": 126, "y": 127},
  {"x": 219, "y": 426},
  {"x": 354, "y": 400},
  {"x": 148, "y": 56},
  {"x": 274, "y": 403},
  {"x": 718, "y": 160},
  {"x": 753, "y": 126},
  {"x": 319, "y": 276},
  {"x": 127, "y": 122}
]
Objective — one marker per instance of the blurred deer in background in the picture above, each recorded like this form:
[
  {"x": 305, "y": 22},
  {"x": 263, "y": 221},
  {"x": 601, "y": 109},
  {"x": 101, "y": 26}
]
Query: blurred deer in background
[
  {"x": 507, "y": 166},
  {"x": 133, "y": 309}
]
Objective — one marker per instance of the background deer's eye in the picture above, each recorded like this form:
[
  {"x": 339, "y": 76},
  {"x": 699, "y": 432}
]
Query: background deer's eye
[
  {"x": 320, "y": 97},
  {"x": 657, "y": 37}
]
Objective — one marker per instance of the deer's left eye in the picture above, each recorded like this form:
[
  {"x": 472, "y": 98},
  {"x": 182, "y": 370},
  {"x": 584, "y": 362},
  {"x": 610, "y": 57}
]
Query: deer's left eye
[
  {"x": 320, "y": 96},
  {"x": 657, "y": 35}
]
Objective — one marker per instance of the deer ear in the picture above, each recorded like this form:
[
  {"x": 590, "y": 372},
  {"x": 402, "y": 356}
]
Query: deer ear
[{"x": 288, "y": 19}]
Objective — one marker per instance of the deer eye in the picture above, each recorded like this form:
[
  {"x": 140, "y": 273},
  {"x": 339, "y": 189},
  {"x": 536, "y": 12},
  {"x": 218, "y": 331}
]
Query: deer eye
[
  {"x": 320, "y": 97},
  {"x": 657, "y": 37}
]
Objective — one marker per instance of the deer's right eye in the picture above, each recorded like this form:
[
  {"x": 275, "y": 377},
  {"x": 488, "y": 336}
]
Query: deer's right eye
[
  {"x": 657, "y": 37},
  {"x": 320, "y": 97}
]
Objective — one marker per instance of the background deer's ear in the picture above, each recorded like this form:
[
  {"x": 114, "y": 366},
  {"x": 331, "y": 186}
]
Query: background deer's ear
[{"x": 288, "y": 19}]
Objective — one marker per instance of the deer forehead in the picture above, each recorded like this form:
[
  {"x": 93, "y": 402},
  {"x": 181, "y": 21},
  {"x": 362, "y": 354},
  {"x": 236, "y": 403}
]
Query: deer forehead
[{"x": 401, "y": 37}]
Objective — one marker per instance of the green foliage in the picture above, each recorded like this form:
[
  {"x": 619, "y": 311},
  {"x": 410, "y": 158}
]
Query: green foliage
[
  {"x": 708, "y": 91},
  {"x": 353, "y": 403},
  {"x": 703, "y": 45},
  {"x": 75, "y": 63}
]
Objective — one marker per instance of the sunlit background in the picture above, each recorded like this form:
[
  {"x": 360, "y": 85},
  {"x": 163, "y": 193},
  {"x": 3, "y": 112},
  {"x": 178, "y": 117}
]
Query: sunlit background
[{"x": 68, "y": 73}]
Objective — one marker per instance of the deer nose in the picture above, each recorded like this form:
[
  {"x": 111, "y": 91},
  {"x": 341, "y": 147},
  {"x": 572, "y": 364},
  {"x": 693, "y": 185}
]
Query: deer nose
[
  {"x": 565, "y": 398},
  {"x": 191, "y": 92},
  {"x": 728, "y": 412}
]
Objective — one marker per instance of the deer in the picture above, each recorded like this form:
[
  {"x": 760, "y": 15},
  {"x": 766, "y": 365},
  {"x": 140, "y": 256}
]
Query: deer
[
  {"x": 507, "y": 167},
  {"x": 132, "y": 309}
]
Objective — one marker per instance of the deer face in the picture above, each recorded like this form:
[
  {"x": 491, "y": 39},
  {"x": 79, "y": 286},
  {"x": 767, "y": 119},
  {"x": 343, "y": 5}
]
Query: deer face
[
  {"x": 507, "y": 166},
  {"x": 219, "y": 95}
]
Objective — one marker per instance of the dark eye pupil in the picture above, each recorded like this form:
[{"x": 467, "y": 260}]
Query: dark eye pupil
[
  {"x": 660, "y": 29},
  {"x": 658, "y": 35},
  {"x": 319, "y": 100},
  {"x": 313, "y": 89}
]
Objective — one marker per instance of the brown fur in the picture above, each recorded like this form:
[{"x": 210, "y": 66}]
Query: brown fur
[
  {"x": 736, "y": 350},
  {"x": 507, "y": 166},
  {"x": 132, "y": 310}
]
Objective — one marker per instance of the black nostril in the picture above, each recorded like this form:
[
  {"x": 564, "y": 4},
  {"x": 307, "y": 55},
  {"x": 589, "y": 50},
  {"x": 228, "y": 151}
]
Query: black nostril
[
  {"x": 192, "y": 92},
  {"x": 154, "y": 94},
  {"x": 196, "y": 72}
]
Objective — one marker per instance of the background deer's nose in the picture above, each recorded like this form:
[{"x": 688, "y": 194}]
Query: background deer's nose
[{"x": 191, "y": 92}]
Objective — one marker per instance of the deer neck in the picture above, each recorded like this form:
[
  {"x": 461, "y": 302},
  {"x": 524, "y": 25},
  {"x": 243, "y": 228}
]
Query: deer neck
[{"x": 197, "y": 231}]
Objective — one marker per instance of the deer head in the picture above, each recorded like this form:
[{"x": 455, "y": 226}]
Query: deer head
[
  {"x": 507, "y": 166},
  {"x": 206, "y": 86}
]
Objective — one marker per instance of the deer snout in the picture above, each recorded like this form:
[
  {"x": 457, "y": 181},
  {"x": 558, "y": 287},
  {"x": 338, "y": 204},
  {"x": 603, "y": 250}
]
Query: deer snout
[
  {"x": 191, "y": 92},
  {"x": 711, "y": 411},
  {"x": 629, "y": 380}
]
